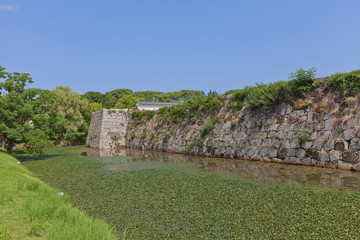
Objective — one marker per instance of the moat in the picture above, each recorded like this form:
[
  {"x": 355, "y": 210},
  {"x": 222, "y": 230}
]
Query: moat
[
  {"x": 157, "y": 195},
  {"x": 245, "y": 169}
]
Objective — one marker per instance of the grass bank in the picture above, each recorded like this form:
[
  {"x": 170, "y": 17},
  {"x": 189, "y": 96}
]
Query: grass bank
[
  {"x": 164, "y": 200},
  {"x": 30, "y": 209}
]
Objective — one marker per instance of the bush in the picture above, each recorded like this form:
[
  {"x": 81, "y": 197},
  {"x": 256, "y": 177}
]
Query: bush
[
  {"x": 142, "y": 115},
  {"x": 209, "y": 105},
  {"x": 302, "y": 80},
  {"x": 303, "y": 135},
  {"x": 349, "y": 82},
  {"x": 266, "y": 95}
]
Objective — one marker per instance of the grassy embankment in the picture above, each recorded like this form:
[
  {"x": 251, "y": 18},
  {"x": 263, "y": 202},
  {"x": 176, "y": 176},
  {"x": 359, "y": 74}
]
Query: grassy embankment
[
  {"x": 30, "y": 209},
  {"x": 164, "y": 200}
]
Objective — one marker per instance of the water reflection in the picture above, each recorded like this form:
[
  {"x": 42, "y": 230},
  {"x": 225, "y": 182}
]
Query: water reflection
[{"x": 253, "y": 170}]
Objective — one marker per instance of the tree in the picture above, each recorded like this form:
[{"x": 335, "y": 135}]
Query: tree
[
  {"x": 179, "y": 96},
  {"x": 95, "y": 97},
  {"x": 70, "y": 108},
  {"x": 149, "y": 96},
  {"x": 128, "y": 102},
  {"x": 112, "y": 97},
  {"x": 92, "y": 107},
  {"x": 18, "y": 106}
]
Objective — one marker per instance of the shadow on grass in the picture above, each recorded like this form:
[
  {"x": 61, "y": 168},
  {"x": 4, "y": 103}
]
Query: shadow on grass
[{"x": 28, "y": 158}]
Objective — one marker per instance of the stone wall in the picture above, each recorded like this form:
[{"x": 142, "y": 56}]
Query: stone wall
[
  {"x": 108, "y": 128},
  {"x": 328, "y": 122}
]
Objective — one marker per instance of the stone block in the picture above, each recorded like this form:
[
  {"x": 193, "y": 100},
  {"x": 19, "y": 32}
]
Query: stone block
[
  {"x": 307, "y": 145},
  {"x": 282, "y": 153},
  {"x": 313, "y": 154},
  {"x": 344, "y": 165},
  {"x": 324, "y": 157},
  {"x": 329, "y": 144},
  {"x": 291, "y": 152},
  {"x": 349, "y": 134},
  {"x": 285, "y": 144},
  {"x": 307, "y": 162},
  {"x": 294, "y": 143},
  {"x": 300, "y": 153},
  {"x": 294, "y": 160},
  {"x": 339, "y": 145},
  {"x": 334, "y": 155},
  {"x": 329, "y": 125},
  {"x": 355, "y": 144},
  {"x": 350, "y": 156},
  {"x": 318, "y": 143},
  {"x": 272, "y": 153}
]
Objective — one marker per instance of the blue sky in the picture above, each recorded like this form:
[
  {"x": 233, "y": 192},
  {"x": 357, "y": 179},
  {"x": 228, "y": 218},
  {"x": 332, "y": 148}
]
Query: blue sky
[{"x": 169, "y": 45}]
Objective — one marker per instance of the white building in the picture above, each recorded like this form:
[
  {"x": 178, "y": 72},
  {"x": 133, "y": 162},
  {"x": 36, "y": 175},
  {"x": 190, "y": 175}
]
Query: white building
[{"x": 153, "y": 105}]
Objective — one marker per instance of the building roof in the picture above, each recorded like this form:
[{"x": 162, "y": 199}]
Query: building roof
[{"x": 157, "y": 103}]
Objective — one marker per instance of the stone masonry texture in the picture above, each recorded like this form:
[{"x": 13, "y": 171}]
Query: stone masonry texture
[{"x": 320, "y": 130}]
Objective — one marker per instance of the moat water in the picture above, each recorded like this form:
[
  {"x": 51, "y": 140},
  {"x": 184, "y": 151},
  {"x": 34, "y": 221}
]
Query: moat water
[{"x": 245, "y": 169}]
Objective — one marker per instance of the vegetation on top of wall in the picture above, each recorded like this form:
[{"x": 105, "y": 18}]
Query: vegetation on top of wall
[
  {"x": 302, "y": 80},
  {"x": 208, "y": 105},
  {"x": 348, "y": 82},
  {"x": 267, "y": 95},
  {"x": 141, "y": 116}
]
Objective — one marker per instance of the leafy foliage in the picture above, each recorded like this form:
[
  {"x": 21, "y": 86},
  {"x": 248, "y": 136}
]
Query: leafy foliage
[
  {"x": 302, "y": 80},
  {"x": 303, "y": 135},
  {"x": 18, "y": 107},
  {"x": 70, "y": 110},
  {"x": 92, "y": 107},
  {"x": 188, "y": 109},
  {"x": 209, "y": 128},
  {"x": 127, "y": 102},
  {"x": 141, "y": 116},
  {"x": 148, "y": 96},
  {"x": 266, "y": 95},
  {"x": 349, "y": 82}
]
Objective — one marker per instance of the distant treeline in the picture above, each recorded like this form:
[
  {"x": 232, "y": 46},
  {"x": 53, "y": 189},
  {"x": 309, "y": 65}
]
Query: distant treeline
[{"x": 126, "y": 98}]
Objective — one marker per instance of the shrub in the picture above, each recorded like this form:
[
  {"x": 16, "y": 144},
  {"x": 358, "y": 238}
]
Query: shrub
[
  {"x": 209, "y": 105},
  {"x": 142, "y": 115},
  {"x": 349, "y": 82},
  {"x": 302, "y": 80},
  {"x": 303, "y": 135},
  {"x": 189, "y": 146},
  {"x": 266, "y": 95}
]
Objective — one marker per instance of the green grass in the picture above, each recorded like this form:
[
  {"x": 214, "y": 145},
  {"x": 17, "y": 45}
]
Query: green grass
[
  {"x": 30, "y": 209},
  {"x": 162, "y": 200}
]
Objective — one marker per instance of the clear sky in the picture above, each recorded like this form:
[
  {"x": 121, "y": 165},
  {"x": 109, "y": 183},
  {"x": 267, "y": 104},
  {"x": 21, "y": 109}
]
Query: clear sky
[{"x": 168, "y": 45}]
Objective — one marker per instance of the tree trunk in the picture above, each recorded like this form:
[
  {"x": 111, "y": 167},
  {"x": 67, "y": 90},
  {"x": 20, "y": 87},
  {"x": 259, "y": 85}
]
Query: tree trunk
[
  {"x": 9, "y": 147},
  {"x": 2, "y": 142}
]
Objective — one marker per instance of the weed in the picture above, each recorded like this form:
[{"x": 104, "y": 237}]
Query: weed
[
  {"x": 166, "y": 137},
  {"x": 340, "y": 129},
  {"x": 189, "y": 146},
  {"x": 303, "y": 135},
  {"x": 143, "y": 135}
]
